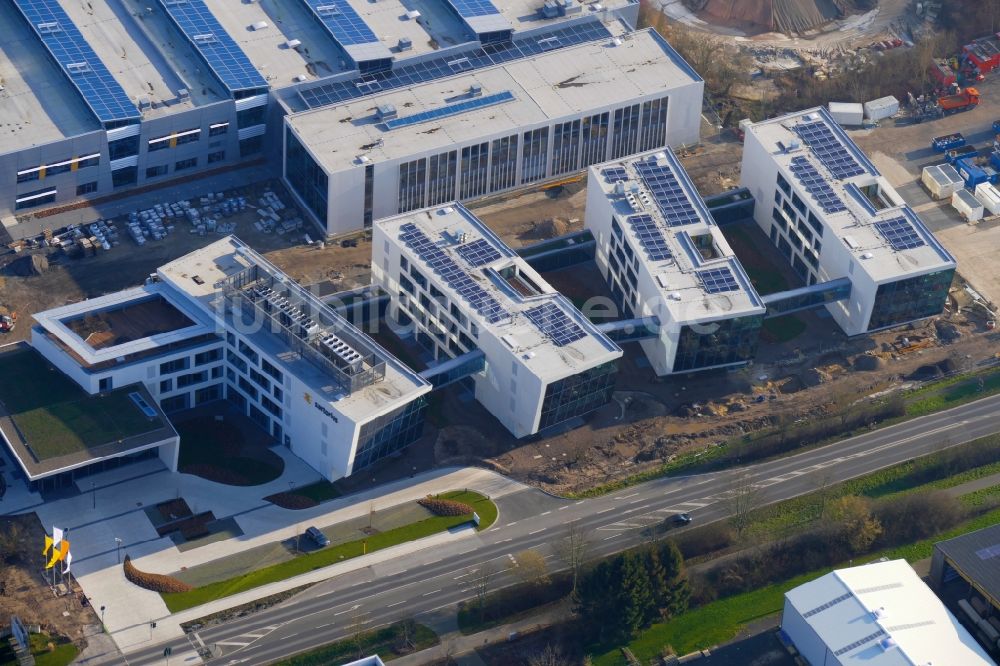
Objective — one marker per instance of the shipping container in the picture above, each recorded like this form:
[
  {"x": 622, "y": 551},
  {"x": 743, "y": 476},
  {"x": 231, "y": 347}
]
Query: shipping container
[
  {"x": 968, "y": 206},
  {"x": 974, "y": 174},
  {"x": 883, "y": 107},
  {"x": 947, "y": 142},
  {"x": 989, "y": 197},
  {"x": 940, "y": 183},
  {"x": 960, "y": 153},
  {"x": 847, "y": 114}
]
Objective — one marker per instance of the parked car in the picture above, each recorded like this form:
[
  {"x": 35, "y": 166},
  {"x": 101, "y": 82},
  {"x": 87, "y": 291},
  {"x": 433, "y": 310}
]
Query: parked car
[
  {"x": 681, "y": 519},
  {"x": 317, "y": 537}
]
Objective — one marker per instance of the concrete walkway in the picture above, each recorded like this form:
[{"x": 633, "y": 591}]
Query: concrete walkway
[
  {"x": 113, "y": 507},
  {"x": 974, "y": 485}
]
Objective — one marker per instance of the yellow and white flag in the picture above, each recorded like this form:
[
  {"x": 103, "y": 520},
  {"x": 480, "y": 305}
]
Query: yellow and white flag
[
  {"x": 48, "y": 545},
  {"x": 69, "y": 560},
  {"x": 57, "y": 536},
  {"x": 58, "y": 553}
]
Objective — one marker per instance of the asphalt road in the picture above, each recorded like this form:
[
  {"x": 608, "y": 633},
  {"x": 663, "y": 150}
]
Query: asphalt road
[{"x": 375, "y": 596}]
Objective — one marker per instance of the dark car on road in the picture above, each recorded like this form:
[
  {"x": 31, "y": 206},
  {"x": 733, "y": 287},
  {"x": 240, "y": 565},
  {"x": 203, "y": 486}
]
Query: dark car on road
[
  {"x": 681, "y": 519},
  {"x": 317, "y": 537}
]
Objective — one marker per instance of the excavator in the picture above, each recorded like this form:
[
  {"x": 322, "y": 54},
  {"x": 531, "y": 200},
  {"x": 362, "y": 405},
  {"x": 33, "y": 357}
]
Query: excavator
[{"x": 8, "y": 320}]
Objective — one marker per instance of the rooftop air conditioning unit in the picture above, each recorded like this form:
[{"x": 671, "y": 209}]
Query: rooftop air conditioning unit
[
  {"x": 386, "y": 111},
  {"x": 867, "y": 255},
  {"x": 183, "y": 93},
  {"x": 293, "y": 44},
  {"x": 259, "y": 25},
  {"x": 413, "y": 14},
  {"x": 299, "y": 78},
  {"x": 475, "y": 90},
  {"x": 405, "y": 44}
]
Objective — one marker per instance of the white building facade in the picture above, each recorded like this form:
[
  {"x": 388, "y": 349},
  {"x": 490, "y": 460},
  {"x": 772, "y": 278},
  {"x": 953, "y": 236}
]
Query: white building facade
[
  {"x": 486, "y": 129},
  {"x": 458, "y": 288},
  {"x": 831, "y": 213},
  {"x": 663, "y": 257},
  {"x": 290, "y": 363}
]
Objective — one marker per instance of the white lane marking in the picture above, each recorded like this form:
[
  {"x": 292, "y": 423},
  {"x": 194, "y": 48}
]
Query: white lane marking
[
  {"x": 505, "y": 540},
  {"x": 621, "y": 497},
  {"x": 563, "y": 508},
  {"x": 354, "y": 607},
  {"x": 398, "y": 603},
  {"x": 236, "y": 643},
  {"x": 610, "y": 537},
  {"x": 328, "y": 624},
  {"x": 198, "y": 638},
  {"x": 511, "y": 524},
  {"x": 536, "y": 531},
  {"x": 427, "y": 594},
  {"x": 610, "y": 508},
  {"x": 545, "y": 514}
]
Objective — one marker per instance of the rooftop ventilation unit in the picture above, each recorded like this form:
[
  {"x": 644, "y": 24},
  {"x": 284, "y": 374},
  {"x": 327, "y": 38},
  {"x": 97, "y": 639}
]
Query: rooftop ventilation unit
[
  {"x": 867, "y": 255},
  {"x": 405, "y": 44},
  {"x": 293, "y": 44},
  {"x": 204, "y": 38},
  {"x": 327, "y": 10},
  {"x": 144, "y": 102},
  {"x": 299, "y": 78},
  {"x": 386, "y": 112},
  {"x": 475, "y": 90},
  {"x": 81, "y": 67},
  {"x": 49, "y": 28},
  {"x": 616, "y": 41},
  {"x": 413, "y": 14},
  {"x": 259, "y": 25},
  {"x": 363, "y": 159}
]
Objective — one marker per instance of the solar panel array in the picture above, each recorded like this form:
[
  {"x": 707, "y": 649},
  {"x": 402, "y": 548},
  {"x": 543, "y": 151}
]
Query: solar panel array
[
  {"x": 222, "y": 54},
  {"x": 670, "y": 197},
  {"x": 614, "y": 174},
  {"x": 900, "y": 234},
  {"x": 816, "y": 185},
  {"x": 650, "y": 237},
  {"x": 454, "y": 277},
  {"x": 830, "y": 151},
  {"x": 343, "y": 23},
  {"x": 102, "y": 93},
  {"x": 718, "y": 280},
  {"x": 479, "y": 252},
  {"x": 403, "y": 75},
  {"x": 450, "y": 110},
  {"x": 552, "y": 321},
  {"x": 470, "y": 8}
]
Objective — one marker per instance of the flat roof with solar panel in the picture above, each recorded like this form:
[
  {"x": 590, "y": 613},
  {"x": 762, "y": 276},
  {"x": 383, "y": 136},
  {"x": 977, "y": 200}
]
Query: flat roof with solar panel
[
  {"x": 480, "y": 93},
  {"x": 217, "y": 48},
  {"x": 78, "y": 61},
  {"x": 682, "y": 254},
  {"x": 351, "y": 32},
  {"x": 480, "y": 275},
  {"x": 854, "y": 204},
  {"x": 483, "y": 18}
]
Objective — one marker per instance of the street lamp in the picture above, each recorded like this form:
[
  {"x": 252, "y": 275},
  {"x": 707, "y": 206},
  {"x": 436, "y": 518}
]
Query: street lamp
[
  {"x": 102, "y": 620},
  {"x": 118, "y": 549}
]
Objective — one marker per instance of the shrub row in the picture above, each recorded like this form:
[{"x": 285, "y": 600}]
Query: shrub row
[
  {"x": 445, "y": 507},
  {"x": 151, "y": 581},
  {"x": 291, "y": 501}
]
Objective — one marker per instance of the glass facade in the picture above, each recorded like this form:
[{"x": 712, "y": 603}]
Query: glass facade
[
  {"x": 475, "y": 164},
  {"x": 653, "y": 131},
  {"x": 594, "y": 132},
  {"x": 577, "y": 395},
  {"x": 412, "y": 177},
  {"x": 503, "y": 163},
  {"x": 306, "y": 177},
  {"x": 565, "y": 147},
  {"x": 626, "y": 131},
  {"x": 534, "y": 154},
  {"x": 716, "y": 343},
  {"x": 389, "y": 433},
  {"x": 369, "y": 194},
  {"x": 441, "y": 183},
  {"x": 912, "y": 298}
]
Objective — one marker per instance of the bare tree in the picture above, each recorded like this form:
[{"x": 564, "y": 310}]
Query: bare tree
[
  {"x": 358, "y": 621},
  {"x": 550, "y": 655},
  {"x": 573, "y": 550},
  {"x": 742, "y": 498},
  {"x": 481, "y": 585},
  {"x": 529, "y": 567}
]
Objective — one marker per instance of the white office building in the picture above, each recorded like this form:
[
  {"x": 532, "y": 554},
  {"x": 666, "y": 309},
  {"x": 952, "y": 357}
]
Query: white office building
[
  {"x": 833, "y": 215},
  {"x": 472, "y": 125},
  {"x": 223, "y": 322},
  {"x": 878, "y": 614},
  {"x": 665, "y": 260},
  {"x": 460, "y": 288}
]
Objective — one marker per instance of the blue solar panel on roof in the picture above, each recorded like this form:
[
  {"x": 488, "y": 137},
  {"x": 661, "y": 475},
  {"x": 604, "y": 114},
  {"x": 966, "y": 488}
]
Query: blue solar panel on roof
[
  {"x": 487, "y": 55},
  {"x": 614, "y": 174},
  {"x": 343, "y": 23},
  {"x": 450, "y": 110},
  {"x": 479, "y": 252},
  {"x": 828, "y": 149},
  {"x": 650, "y": 236},
  {"x": 816, "y": 185},
  {"x": 470, "y": 8},
  {"x": 900, "y": 233},
  {"x": 224, "y": 57},
  {"x": 666, "y": 190},
  {"x": 455, "y": 277},
  {"x": 88, "y": 74},
  {"x": 718, "y": 280},
  {"x": 553, "y": 322}
]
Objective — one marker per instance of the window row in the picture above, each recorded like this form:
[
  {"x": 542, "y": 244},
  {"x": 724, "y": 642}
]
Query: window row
[{"x": 72, "y": 164}]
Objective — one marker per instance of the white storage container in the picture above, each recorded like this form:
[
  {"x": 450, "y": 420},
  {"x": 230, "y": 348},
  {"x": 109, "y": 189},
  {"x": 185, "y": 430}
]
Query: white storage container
[
  {"x": 967, "y": 205},
  {"x": 989, "y": 197},
  {"x": 883, "y": 107},
  {"x": 847, "y": 114},
  {"x": 941, "y": 180}
]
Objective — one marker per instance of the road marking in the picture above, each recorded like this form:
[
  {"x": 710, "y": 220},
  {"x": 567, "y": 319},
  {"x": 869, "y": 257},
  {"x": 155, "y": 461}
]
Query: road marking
[
  {"x": 621, "y": 497},
  {"x": 563, "y": 508},
  {"x": 546, "y": 513},
  {"x": 610, "y": 537},
  {"x": 396, "y": 604},
  {"x": 427, "y": 594},
  {"x": 198, "y": 638},
  {"x": 328, "y": 624},
  {"x": 536, "y": 531},
  {"x": 236, "y": 643},
  {"x": 610, "y": 508},
  {"x": 506, "y": 540},
  {"x": 511, "y": 524},
  {"x": 354, "y": 607}
]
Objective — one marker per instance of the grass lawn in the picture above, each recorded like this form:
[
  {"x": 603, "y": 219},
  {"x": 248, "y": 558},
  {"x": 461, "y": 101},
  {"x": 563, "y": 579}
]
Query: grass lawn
[
  {"x": 57, "y": 417},
  {"x": 320, "y": 491},
  {"x": 952, "y": 392},
  {"x": 305, "y": 563},
  {"x": 386, "y": 642},
  {"x": 765, "y": 277},
  {"x": 783, "y": 329},
  {"x": 63, "y": 654}
]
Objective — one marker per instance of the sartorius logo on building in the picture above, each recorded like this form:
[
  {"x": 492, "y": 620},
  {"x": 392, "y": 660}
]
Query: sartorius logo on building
[{"x": 322, "y": 408}]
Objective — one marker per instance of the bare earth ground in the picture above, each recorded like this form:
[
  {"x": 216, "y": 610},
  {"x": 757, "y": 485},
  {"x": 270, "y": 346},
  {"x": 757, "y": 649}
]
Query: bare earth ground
[{"x": 29, "y": 595}]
